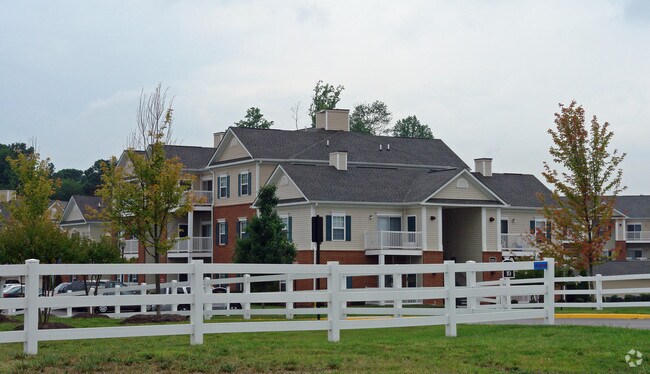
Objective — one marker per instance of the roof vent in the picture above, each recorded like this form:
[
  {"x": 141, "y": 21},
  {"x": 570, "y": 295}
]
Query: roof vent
[
  {"x": 339, "y": 160},
  {"x": 328, "y": 142},
  {"x": 388, "y": 147},
  {"x": 483, "y": 166},
  {"x": 380, "y": 147}
]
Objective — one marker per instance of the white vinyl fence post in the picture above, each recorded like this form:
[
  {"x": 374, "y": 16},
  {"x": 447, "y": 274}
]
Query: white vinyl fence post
[
  {"x": 397, "y": 303},
  {"x": 450, "y": 300},
  {"x": 207, "y": 307},
  {"x": 599, "y": 292},
  {"x": 288, "y": 288},
  {"x": 334, "y": 306},
  {"x": 247, "y": 291},
  {"x": 228, "y": 300},
  {"x": 196, "y": 313},
  {"x": 143, "y": 291},
  {"x": 174, "y": 290},
  {"x": 502, "y": 298},
  {"x": 30, "y": 324},
  {"x": 549, "y": 297},
  {"x": 69, "y": 310},
  {"x": 471, "y": 283},
  {"x": 118, "y": 308}
]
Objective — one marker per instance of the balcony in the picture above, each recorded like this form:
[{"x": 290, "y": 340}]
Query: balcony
[
  {"x": 196, "y": 246},
  {"x": 202, "y": 199},
  {"x": 393, "y": 242},
  {"x": 518, "y": 245},
  {"x": 638, "y": 236}
]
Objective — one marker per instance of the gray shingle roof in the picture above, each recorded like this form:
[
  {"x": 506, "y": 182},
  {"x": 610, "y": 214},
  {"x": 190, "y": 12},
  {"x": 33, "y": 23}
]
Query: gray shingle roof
[
  {"x": 634, "y": 206},
  {"x": 367, "y": 184},
  {"x": 516, "y": 189},
  {"x": 191, "y": 157},
  {"x": 313, "y": 145},
  {"x": 85, "y": 203},
  {"x": 622, "y": 268}
]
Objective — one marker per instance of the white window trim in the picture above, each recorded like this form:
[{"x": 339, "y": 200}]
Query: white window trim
[
  {"x": 241, "y": 183},
  {"x": 225, "y": 176},
  {"x": 344, "y": 226},
  {"x": 221, "y": 223},
  {"x": 239, "y": 222}
]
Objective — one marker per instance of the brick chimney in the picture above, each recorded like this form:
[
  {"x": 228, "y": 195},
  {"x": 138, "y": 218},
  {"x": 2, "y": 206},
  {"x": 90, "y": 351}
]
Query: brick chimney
[
  {"x": 333, "y": 119},
  {"x": 483, "y": 166}
]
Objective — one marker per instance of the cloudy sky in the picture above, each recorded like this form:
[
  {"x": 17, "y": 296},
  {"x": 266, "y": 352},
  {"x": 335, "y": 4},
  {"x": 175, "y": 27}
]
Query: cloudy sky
[{"x": 485, "y": 76}]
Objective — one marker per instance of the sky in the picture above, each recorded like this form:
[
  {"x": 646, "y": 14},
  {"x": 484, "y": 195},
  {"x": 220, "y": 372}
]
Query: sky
[{"x": 486, "y": 76}]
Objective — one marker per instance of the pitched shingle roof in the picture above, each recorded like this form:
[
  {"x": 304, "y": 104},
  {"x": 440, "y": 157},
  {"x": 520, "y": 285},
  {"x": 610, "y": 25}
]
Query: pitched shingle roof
[
  {"x": 367, "y": 184},
  {"x": 622, "y": 268},
  {"x": 191, "y": 157},
  {"x": 361, "y": 148},
  {"x": 516, "y": 189},
  {"x": 85, "y": 203},
  {"x": 633, "y": 206}
]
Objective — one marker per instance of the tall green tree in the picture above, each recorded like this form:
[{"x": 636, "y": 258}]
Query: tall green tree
[
  {"x": 266, "y": 240},
  {"x": 411, "y": 127},
  {"x": 371, "y": 118},
  {"x": 8, "y": 178},
  {"x": 254, "y": 119},
  {"x": 584, "y": 189},
  {"x": 326, "y": 96},
  {"x": 92, "y": 177},
  {"x": 141, "y": 199}
]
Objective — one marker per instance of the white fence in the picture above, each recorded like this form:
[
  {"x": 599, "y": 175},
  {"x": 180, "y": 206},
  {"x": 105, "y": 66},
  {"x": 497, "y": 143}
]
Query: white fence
[{"x": 336, "y": 297}]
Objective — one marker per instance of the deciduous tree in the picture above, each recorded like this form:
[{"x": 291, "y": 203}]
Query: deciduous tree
[
  {"x": 326, "y": 96},
  {"x": 254, "y": 119},
  {"x": 411, "y": 127},
  {"x": 371, "y": 118},
  {"x": 584, "y": 189}
]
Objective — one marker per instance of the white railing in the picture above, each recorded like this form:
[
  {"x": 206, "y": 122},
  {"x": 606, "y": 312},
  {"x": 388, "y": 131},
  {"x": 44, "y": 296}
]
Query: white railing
[
  {"x": 131, "y": 247},
  {"x": 202, "y": 197},
  {"x": 518, "y": 244},
  {"x": 638, "y": 236},
  {"x": 335, "y": 298},
  {"x": 392, "y": 240},
  {"x": 200, "y": 244}
]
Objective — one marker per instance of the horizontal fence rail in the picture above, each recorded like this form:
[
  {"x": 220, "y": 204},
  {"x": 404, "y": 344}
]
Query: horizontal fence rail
[{"x": 294, "y": 294}]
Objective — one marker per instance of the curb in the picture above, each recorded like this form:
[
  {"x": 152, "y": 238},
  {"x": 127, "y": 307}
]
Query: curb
[{"x": 602, "y": 316}]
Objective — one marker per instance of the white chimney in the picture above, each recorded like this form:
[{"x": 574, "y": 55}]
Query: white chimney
[
  {"x": 333, "y": 119},
  {"x": 483, "y": 166},
  {"x": 339, "y": 160},
  {"x": 217, "y": 138}
]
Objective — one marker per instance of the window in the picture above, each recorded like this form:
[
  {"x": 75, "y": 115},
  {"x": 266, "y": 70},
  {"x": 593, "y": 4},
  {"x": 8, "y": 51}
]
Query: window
[
  {"x": 223, "y": 233},
  {"x": 286, "y": 229},
  {"x": 338, "y": 227},
  {"x": 242, "y": 225},
  {"x": 206, "y": 185},
  {"x": 634, "y": 254},
  {"x": 462, "y": 183},
  {"x": 224, "y": 186},
  {"x": 244, "y": 183}
]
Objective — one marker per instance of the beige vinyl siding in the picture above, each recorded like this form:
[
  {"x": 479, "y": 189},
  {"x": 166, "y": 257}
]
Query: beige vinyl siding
[
  {"x": 361, "y": 223},
  {"x": 287, "y": 191},
  {"x": 472, "y": 192},
  {"x": 300, "y": 225},
  {"x": 233, "y": 172},
  {"x": 432, "y": 228},
  {"x": 96, "y": 231},
  {"x": 266, "y": 169},
  {"x": 491, "y": 229},
  {"x": 522, "y": 218},
  {"x": 233, "y": 150},
  {"x": 74, "y": 214},
  {"x": 620, "y": 230}
]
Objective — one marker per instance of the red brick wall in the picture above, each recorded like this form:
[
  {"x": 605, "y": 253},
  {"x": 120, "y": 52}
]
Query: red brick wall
[
  {"x": 492, "y": 275},
  {"x": 224, "y": 253}
]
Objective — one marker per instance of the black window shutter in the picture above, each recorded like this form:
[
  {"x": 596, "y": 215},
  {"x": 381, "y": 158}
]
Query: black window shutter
[
  {"x": 238, "y": 229},
  {"x": 250, "y": 183},
  {"x": 228, "y": 186},
  {"x": 238, "y": 184},
  {"x": 289, "y": 230},
  {"x": 218, "y": 188},
  {"x": 328, "y": 228},
  {"x": 532, "y": 227},
  {"x": 226, "y": 232},
  {"x": 348, "y": 228},
  {"x": 548, "y": 230}
]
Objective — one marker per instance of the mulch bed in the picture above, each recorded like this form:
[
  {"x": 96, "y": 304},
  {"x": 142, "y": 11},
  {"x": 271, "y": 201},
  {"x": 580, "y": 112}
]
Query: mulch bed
[
  {"x": 48, "y": 326},
  {"x": 153, "y": 318},
  {"x": 90, "y": 315},
  {"x": 7, "y": 319}
]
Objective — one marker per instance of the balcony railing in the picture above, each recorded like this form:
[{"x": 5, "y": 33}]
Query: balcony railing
[
  {"x": 393, "y": 240},
  {"x": 202, "y": 197},
  {"x": 131, "y": 247},
  {"x": 199, "y": 245},
  {"x": 518, "y": 244},
  {"x": 638, "y": 236}
]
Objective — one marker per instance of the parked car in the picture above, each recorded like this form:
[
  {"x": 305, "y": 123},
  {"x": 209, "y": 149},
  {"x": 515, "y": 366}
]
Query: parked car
[
  {"x": 223, "y": 305},
  {"x": 74, "y": 286},
  {"x": 109, "y": 309},
  {"x": 16, "y": 290},
  {"x": 188, "y": 290}
]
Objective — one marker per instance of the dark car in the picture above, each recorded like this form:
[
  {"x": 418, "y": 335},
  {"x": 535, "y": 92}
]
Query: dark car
[{"x": 75, "y": 286}]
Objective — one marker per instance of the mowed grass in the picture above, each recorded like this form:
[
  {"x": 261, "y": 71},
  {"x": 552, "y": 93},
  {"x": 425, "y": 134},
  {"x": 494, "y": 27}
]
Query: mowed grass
[
  {"x": 630, "y": 310},
  {"x": 477, "y": 349}
]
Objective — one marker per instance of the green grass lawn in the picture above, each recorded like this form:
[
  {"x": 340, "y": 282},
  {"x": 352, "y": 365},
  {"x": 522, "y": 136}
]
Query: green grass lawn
[
  {"x": 631, "y": 310},
  {"x": 477, "y": 349}
]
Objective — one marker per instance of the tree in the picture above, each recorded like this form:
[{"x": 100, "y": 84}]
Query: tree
[
  {"x": 371, "y": 118},
  {"x": 29, "y": 232},
  {"x": 92, "y": 177},
  {"x": 410, "y": 127},
  {"x": 8, "y": 179},
  {"x": 254, "y": 119},
  {"x": 266, "y": 240},
  {"x": 140, "y": 202},
  {"x": 325, "y": 96},
  {"x": 584, "y": 191}
]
